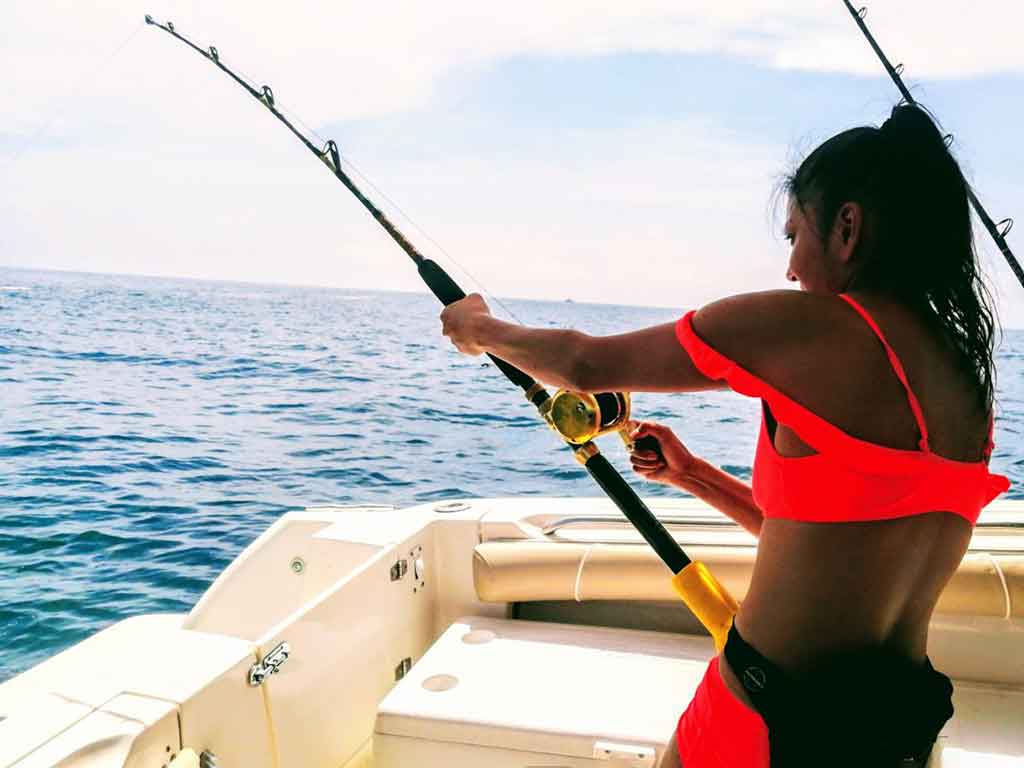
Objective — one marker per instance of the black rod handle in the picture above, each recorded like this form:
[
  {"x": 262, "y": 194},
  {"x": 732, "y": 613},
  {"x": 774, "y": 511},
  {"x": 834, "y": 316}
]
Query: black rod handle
[
  {"x": 440, "y": 282},
  {"x": 639, "y": 515}
]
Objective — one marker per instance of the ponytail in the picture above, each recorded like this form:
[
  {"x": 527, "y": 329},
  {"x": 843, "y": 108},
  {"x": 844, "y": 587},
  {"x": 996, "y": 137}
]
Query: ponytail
[{"x": 921, "y": 250}]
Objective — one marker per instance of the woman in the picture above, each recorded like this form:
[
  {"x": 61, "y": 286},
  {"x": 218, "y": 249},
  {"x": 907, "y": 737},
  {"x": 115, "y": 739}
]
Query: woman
[{"x": 876, "y": 381}]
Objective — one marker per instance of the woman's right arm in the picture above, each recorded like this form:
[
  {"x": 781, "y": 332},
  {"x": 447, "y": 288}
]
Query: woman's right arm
[
  {"x": 674, "y": 465},
  {"x": 726, "y": 493}
]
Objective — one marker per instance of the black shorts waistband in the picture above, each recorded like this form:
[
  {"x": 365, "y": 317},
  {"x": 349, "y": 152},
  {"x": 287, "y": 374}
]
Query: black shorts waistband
[{"x": 861, "y": 700}]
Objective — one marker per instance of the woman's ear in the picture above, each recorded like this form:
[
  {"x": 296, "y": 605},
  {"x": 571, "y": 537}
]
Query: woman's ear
[{"x": 848, "y": 230}]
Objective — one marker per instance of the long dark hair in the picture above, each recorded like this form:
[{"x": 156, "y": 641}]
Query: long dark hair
[{"x": 921, "y": 250}]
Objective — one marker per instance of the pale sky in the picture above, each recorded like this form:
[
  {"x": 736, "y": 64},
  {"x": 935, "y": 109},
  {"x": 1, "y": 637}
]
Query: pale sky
[{"x": 613, "y": 152}]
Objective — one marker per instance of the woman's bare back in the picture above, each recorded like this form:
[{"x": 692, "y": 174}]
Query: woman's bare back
[{"x": 820, "y": 588}]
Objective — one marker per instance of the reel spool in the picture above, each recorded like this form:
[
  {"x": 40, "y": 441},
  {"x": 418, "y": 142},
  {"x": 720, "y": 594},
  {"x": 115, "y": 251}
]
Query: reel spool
[{"x": 579, "y": 417}]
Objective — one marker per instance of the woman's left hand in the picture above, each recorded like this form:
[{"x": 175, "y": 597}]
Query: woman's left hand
[{"x": 461, "y": 323}]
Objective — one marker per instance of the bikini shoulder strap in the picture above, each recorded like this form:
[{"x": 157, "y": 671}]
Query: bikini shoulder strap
[
  {"x": 989, "y": 442},
  {"x": 897, "y": 366}
]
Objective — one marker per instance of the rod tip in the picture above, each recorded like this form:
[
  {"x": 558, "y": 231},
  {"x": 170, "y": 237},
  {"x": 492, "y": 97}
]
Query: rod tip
[{"x": 149, "y": 19}]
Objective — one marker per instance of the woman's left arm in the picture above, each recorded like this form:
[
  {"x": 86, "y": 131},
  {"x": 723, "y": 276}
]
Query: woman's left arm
[{"x": 648, "y": 360}]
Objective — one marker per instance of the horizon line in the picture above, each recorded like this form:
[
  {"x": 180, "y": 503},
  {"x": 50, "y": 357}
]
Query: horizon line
[{"x": 276, "y": 284}]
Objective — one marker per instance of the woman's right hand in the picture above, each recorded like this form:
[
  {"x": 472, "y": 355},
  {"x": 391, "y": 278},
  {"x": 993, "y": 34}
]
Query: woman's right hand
[{"x": 675, "y": 461}]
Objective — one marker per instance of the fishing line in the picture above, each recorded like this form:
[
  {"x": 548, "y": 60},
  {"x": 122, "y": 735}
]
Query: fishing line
[
  {"x": 72, "y": 94},
  {"x": 427, "y": 237},
  {"x": 295, "y": 117}
]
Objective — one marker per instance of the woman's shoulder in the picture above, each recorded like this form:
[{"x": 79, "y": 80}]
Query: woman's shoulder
[
  {"x": 822, "y": 353},
  {"x": 764, "y": 330}
]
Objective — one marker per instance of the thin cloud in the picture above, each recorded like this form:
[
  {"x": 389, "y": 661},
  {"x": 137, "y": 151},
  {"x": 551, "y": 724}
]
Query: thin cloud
[{"x": 355, "y": 60}]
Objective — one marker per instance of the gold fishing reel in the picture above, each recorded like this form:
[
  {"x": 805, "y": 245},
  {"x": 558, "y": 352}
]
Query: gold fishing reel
[{"x": 579, "y": 417}]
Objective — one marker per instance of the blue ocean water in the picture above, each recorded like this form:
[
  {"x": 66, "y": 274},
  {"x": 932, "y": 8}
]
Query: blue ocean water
[{"x": 151, "y": 428}]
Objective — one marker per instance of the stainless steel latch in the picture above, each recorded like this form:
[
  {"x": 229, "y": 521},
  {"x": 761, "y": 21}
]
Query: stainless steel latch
[{"x": 270, "y": 665}]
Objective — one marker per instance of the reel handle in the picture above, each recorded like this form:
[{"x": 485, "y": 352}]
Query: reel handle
[{"x": 648, "y": 443}]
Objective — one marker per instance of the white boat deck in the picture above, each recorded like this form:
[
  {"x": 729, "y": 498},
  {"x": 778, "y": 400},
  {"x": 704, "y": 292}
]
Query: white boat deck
[{"x": 403, "y": 647}]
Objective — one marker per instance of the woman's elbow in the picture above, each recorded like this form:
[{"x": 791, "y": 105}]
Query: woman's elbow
[{"x": 582, "y": 375}]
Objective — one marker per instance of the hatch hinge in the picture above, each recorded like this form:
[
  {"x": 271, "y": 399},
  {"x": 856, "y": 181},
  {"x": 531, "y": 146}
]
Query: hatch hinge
[
  {"x": 270, "y": 665},
  {"x": 633, "y": 755},
  {"x": 399, "y": 569}
]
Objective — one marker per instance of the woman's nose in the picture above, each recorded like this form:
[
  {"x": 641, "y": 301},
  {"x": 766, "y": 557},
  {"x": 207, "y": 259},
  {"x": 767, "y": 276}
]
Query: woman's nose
[{"x": 791, "y": 276}]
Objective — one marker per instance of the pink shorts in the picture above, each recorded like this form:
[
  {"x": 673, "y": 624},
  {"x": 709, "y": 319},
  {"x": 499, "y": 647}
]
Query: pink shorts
[{"x": 718, "y": 730}]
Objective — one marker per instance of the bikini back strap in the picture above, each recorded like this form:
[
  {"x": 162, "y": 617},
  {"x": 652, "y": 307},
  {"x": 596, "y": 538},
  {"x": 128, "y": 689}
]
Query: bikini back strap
[
  {"x": 897, "y": 366},
  {"x": 989, "y": 442}
]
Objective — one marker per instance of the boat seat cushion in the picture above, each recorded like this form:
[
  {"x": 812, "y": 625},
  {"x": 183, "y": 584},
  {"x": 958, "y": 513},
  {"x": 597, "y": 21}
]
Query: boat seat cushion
[{"x": 519, "y": 571}]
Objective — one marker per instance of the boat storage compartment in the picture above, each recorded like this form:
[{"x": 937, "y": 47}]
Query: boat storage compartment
[{"x": 509, "y": 694}]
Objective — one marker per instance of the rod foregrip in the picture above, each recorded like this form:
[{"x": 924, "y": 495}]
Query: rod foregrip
[
  {"x": 709, "y": 601},
  {"x": 440, "y": 282}
]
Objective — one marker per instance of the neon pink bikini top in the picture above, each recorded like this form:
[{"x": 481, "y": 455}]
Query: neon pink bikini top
[{"x": 848, "y": 479}]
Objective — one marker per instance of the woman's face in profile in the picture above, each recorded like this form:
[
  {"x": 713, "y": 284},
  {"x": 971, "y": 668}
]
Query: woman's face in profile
[{"x": 808, "y": 259}]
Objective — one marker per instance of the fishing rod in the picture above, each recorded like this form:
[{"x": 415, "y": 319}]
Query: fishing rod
[
  {"x": 999, "y": 230},
  {"x": 577, "y": 417}
]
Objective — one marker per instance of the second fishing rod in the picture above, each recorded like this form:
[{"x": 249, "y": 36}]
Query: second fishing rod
[{"x": 577, "y": 417}]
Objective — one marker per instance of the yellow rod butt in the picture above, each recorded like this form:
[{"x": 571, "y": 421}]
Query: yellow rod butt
[{"x": 708, "y": 599}]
